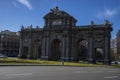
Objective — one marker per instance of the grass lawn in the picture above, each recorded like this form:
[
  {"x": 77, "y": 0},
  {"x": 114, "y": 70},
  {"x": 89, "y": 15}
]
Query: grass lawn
[{"x": 45, "y": 62}]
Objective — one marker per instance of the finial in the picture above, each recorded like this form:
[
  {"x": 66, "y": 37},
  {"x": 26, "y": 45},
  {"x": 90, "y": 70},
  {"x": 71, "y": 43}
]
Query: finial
[
  {"x": 30, "y": 26},
  {"x": 91, "y": 26},
  {"x": 57, "y": 7},
  {"x": 22, "y": 27},
  {"x": 106, "y": 22},
  {"x": 92, "y": 23},
  {"x": 55, "y": 10},
  {"x": 119, "y": 30},
  {"x": 51, "y": 10},
  {"x": 37, "y": 27}
]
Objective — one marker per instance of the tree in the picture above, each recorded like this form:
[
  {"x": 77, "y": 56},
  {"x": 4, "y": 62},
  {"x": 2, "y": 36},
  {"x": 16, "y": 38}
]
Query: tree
[
  {"x": 118, "y": 44},
  {"x": 113, "y": 50}
]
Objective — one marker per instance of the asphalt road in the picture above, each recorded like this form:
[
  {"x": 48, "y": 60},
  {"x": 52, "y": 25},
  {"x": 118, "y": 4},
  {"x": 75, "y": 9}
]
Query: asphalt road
[{"x": 58, "y": 73}]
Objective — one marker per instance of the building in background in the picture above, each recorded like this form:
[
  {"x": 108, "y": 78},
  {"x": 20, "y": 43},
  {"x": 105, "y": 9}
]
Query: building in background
[
  {"x": 9, "y": 43},
  {"x": 118, "y": 44}
]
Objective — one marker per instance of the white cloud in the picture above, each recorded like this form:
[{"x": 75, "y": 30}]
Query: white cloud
[
  {"x": 107, "y": 13},
  {"x": 26, "y": 3}
]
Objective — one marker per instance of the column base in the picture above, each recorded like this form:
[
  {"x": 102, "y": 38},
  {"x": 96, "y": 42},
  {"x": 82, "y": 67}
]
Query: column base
[
  {"x": 28, "y": 56},
  {"x": 107, "y": 62},
  {"x": 44, "y": 57},
  {"x": 19, "y": 56},
  {"x": 66, "y": 59},
  {"x": 91, "y": 61}
]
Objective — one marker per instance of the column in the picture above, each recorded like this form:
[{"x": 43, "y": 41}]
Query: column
[
  {"x": 29, "y": 50},
  {"x": 70, "y": 47},
  {"x": 63, "y": 48},
  {"x": 47, "y": 47},
  {"x": 43, "y": 48},
  {"x": 72, "y": 52},
  {"x": 20, "y": 48},
  {"x": 107, "y": 36},
  {"x": 107, "y": 56},
  {"x": 67, "y": 48},
  {"x": 90, "y": 48},
  {"x": 36, "y": 49}
]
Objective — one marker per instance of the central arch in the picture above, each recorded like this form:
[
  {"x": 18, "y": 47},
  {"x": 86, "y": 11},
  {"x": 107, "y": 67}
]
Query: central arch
[{"x": 55, "y": 50}]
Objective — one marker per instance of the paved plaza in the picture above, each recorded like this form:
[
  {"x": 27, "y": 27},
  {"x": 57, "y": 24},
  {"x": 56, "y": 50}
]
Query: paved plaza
[{"x": 58, "y": 73}]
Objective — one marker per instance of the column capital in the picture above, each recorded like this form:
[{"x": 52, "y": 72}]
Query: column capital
[{"x": 92, "y": 23}]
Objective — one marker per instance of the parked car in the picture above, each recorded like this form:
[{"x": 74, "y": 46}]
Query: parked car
[
  {"x": 115, "y": 62},
  {"x": 3, "y": 56}
]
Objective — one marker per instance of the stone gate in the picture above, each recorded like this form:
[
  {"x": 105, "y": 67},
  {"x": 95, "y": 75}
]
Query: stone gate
[{"x": 61, "y": 39}]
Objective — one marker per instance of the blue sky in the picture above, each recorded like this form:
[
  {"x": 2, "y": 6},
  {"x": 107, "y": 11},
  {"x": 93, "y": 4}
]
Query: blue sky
[{"x": 14, "y": 13}]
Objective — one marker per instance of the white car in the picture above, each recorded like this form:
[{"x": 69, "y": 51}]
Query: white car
[
  {"x": 3, "y": 56},
  {"x": 115, "y": 62}
]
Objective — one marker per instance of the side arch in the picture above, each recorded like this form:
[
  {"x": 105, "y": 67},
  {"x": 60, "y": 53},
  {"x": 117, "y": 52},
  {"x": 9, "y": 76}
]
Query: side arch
[{"x": 81, "y": 50}]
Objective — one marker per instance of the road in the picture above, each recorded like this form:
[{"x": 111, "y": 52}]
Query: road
[{"x": 58, "y": 73}]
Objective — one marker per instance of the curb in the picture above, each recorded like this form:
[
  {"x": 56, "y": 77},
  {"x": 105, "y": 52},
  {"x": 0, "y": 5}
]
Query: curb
[{"x": 27, "y": 65}]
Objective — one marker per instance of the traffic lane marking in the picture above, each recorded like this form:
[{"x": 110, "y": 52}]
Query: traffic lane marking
[
  {"x": 111, "y": 77},
  {"x": 22, "y": 74}
]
